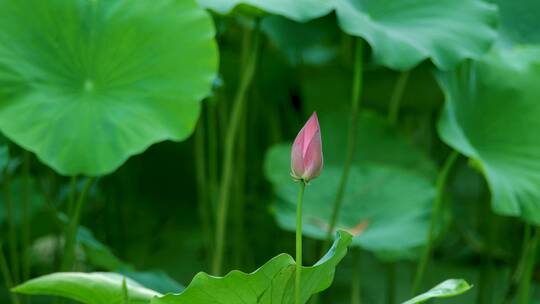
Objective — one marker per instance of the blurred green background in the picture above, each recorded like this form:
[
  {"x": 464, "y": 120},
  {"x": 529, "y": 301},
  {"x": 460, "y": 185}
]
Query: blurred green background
[{"x": 152, "y": 217}]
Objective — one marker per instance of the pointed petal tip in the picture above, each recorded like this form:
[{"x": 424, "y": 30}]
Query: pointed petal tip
[{"x": 314, "y": 117}]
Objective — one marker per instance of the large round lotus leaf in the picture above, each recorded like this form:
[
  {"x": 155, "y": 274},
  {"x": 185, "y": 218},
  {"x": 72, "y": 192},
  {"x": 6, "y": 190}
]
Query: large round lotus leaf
[
  {"x": 298, "y": 10},
  {"x": 403, "y": 33},
  {"x": 389, "y": 194},
  {"x": 86, "y": 84},
  {"x": 492, "y": 115}
]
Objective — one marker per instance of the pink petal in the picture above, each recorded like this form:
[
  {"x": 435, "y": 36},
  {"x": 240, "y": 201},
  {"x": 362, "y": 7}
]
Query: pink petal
[
  {"x": 309, "y": 130},
  {"x": 313, "y": 158},
  {"x": 297, "y": 162}
]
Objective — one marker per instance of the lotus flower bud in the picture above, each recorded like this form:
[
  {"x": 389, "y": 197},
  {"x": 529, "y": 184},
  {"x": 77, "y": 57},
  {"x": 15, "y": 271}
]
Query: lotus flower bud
[{"x": 306, "y": 154}]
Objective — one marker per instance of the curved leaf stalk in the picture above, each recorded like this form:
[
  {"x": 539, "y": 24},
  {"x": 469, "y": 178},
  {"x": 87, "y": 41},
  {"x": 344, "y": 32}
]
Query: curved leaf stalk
[
  {"x": 26, "y": 217},
  {"x": 7, "y": 276},
  {"x": 356, "y": 296},
  {"x": 213, "y": 144},
  {"x": 351, "y": 142},
  {"x": 397, "y": 96},
  {"x": 71, "y": 233},
  {"x": 240, "y": 193},
  {"x": 13, "y": 237},
  {"x": 520, "y": 266},
  {"x": 526, "y": 279},
  {"x": 202, "y": 192},
  {"x": 125, "y": 291},
  {"x": 298, "y": 277},
  {"x": 230, "y": 139},
  {"x": 435, "y": 215},
  {"x": 391, "y": 283},
  {"x": 446, "y": 289},
  {"x": 486, "y": 274},
  {"x": 72, "y": 194}
]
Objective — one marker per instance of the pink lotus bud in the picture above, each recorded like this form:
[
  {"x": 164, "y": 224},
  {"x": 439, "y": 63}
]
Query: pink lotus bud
[{"x": 306, "y": 154}]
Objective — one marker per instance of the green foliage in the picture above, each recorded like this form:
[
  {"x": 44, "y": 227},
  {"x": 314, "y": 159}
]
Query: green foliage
[
  {"x": 15, "y": 193},
  {"x": 87, "y": 288},
  {"x": 446, "y": 289},
  {"x": 273, "y": 283},
  {"x": 85, "y": 85},
  {"x": 303, "y": 42},
  {"x": 110, "y": 79},
  {"x": 299, "y": 10},
  {"x": 402, "y": 33},
  {"x": 519, "y": 22},
  {"x": 491, "y": 121},
  {"x": 4, "y": 160},
  {"x": 100, "y": 256}
]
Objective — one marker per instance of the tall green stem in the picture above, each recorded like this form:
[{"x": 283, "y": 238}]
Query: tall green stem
[
  {"x": 72, "y": 194},
  {"x": 397, "y": 95},
  {"x": 7, "y": 276},
  {"x": 26, "y": 218},
  {"x": 212, "y": 153},
  {"x": 71, "y": 233},
  {"x": 298, "y": 278},
  {"x": 228, "y": 158},
  {"x": 355, "y": 280},
  {"x": 391, "y": 283},
  {"x": 515, "y": 279},
  {"x": 125, "y": 292},
  {"x": 240, "y": 192},
  {"x": 489, "y": 228},
  {"x": 526, "y": 279},
  {"x": 202, "y": 192},
  {"x": 435, "y": 215},
  {"x": 13, "y": 239},
  {"x": 351, "y": 142}
]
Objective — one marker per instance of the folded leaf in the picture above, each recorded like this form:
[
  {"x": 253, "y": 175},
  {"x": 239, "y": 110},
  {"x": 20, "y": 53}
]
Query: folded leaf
[
  {"x": 494, "y": 122},
  {"x": 273, "y": 283},
  {"x": 403, "y": 33},
  {"x": 87, "y": 288},
  {"x": 299, "y": 10},
  {"x": 446, "y": 289}
]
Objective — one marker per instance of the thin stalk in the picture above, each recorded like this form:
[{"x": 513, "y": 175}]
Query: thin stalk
[
  {"x": 202, "y": 192},
  {"x": 7, "y": 276},
  {"x": 526, "y": 279},
  {"x": 13, "y": 237},
  {"x": 26, "y": 218},
  {"x": 71, "y": 233},
  {"x": 435, "y": 215},
  {"x": 397, "y": 96},
  {"x": 51, "y": 208},
  {"x": 391, "y": 283},
  {"x": 298, "y": 278},
  {"x": 490, "y": 228},
  {"x": 355, "y": 280},
  {"x": 213, "y": 144},
  {"x": 125, "y": 291},
  {"x": 53, "y": 213},
  {"x": 72, "y": 194},
  {"x": 520, "y": 265},
  {"x": 240, "y": 192},
  {"x": 351, "y": 142},
  {"x": 230, "y": 139}
]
